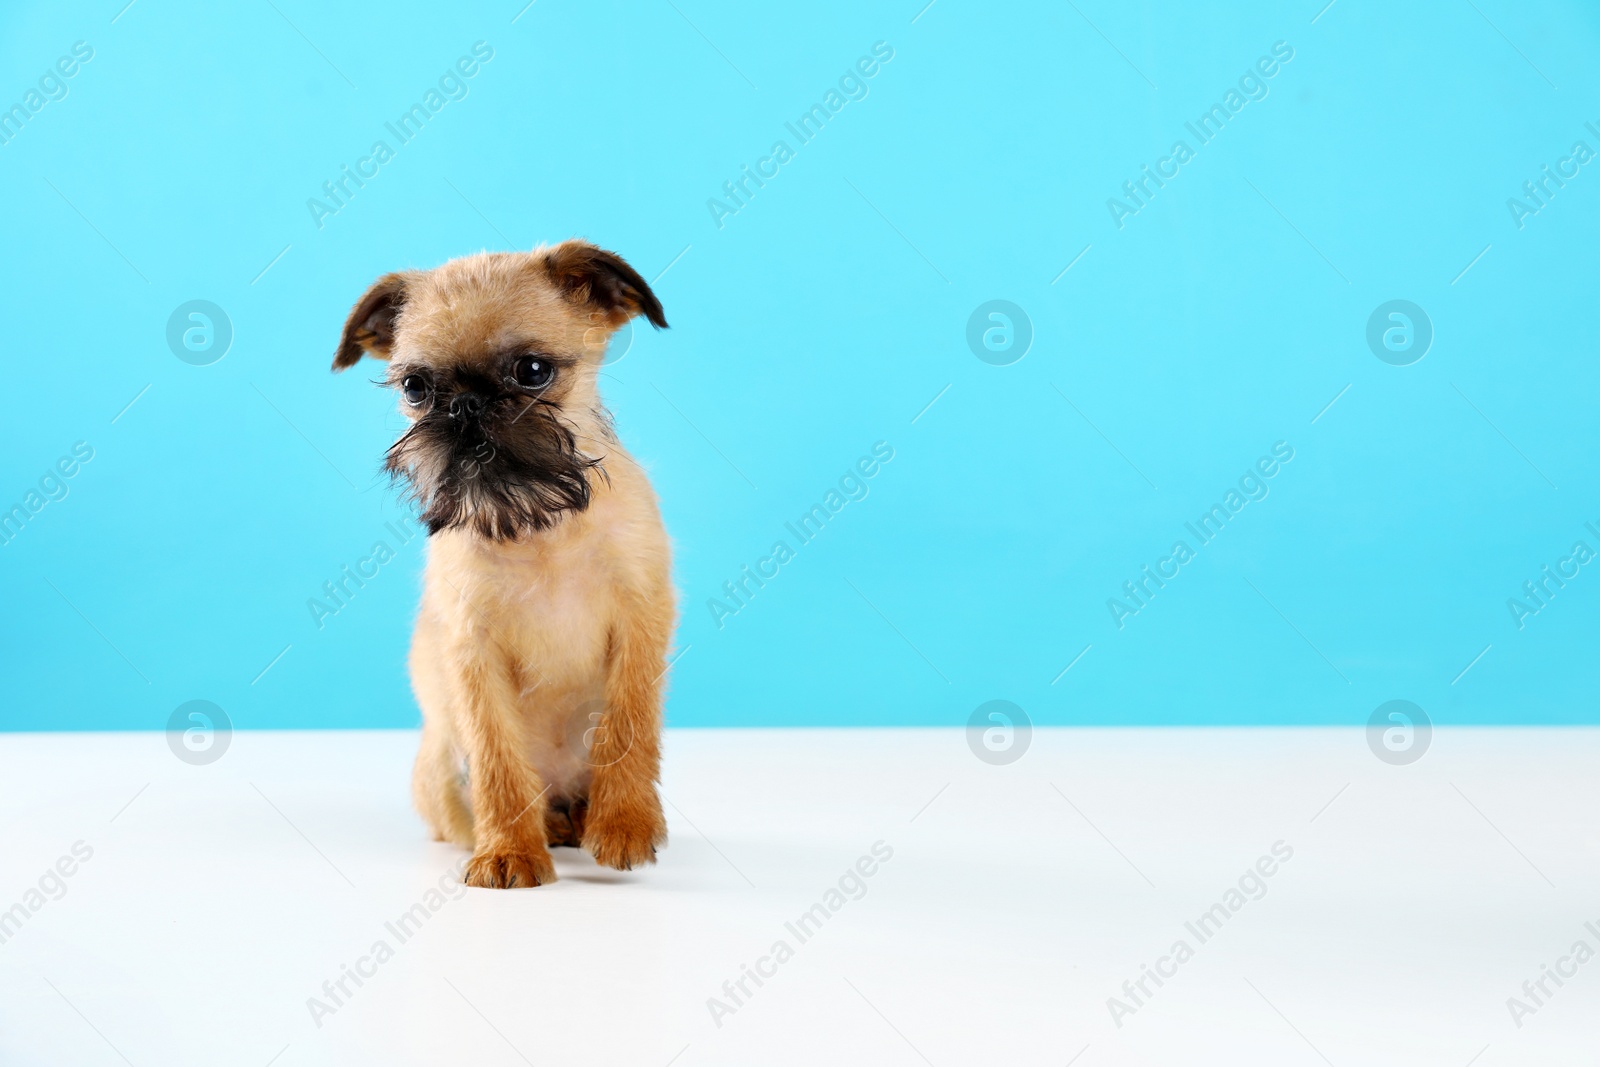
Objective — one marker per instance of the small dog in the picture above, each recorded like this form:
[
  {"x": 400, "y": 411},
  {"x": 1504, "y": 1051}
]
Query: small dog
[{"x": 547, "y": 604}]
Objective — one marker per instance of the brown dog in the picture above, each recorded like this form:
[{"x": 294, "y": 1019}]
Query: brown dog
[{"x": 547, "y": 603}]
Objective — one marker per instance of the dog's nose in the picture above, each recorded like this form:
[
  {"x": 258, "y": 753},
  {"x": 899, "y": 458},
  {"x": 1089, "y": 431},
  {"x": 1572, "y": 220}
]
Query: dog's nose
[{"x": 466, "y": 406}]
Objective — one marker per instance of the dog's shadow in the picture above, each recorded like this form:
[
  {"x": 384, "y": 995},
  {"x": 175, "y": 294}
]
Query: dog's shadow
[{"x": 576, "y": 865}]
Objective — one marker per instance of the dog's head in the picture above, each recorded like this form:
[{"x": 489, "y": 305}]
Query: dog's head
[{"x": 495, "y": 358}]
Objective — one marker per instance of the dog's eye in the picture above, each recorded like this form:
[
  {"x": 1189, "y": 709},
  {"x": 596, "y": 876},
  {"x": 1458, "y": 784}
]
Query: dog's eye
[
  {"x": 415, "y": 389},
  {"x": 531, "y": 372}
]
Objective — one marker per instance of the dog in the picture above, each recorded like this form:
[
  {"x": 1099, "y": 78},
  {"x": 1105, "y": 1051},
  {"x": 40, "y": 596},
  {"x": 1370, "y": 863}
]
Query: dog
[{"x": 540, "y": 649}]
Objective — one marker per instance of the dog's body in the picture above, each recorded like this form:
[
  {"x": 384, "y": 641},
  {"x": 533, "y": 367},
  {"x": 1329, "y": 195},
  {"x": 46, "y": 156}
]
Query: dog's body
[{"x": 547, "y": 607}]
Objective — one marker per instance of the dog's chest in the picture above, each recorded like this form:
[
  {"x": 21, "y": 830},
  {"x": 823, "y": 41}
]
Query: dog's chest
[
  {"x": 561, "y": 618},
  {"x": 558, "y": 620}
]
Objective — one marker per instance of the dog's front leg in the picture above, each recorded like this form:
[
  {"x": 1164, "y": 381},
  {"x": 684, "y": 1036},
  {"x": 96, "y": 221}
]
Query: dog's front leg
[
  {"x": 625, "y": 823},
  {"x": 507, "y": 795}
]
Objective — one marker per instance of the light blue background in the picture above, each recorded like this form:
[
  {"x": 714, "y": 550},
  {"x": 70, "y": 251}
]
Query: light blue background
[{"x": 820, "y": 319}]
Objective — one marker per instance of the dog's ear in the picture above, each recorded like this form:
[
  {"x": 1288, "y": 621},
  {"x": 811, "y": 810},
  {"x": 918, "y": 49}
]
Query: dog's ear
[
  {"x": 603, "y": 281},
  {"x": 370, "y": 327}
]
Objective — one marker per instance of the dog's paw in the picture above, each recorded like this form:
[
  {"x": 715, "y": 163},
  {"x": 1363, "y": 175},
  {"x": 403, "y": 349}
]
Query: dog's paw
[
  {"x": 624, "y": 838},
  {"x": 509, "y": 869}
]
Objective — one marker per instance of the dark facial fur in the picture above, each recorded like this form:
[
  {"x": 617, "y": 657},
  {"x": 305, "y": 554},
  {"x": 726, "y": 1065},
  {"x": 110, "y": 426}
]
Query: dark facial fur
[
  {"x": 489, "y": 454},
  {"x": 498, "y": 445}
]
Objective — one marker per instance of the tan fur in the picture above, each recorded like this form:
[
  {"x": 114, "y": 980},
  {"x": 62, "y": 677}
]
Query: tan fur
[{"x": 538, "y": 662}]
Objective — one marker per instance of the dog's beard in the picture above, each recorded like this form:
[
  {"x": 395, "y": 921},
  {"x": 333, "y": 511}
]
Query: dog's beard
[{"x": 502, "y": 482}]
